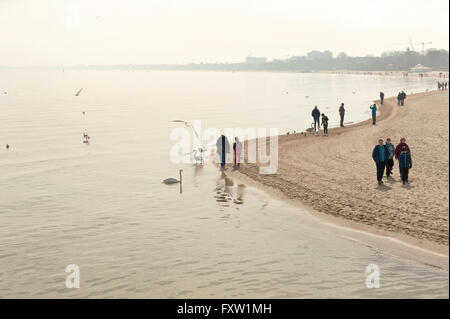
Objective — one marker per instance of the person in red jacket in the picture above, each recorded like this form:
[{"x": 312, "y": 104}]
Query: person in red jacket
[{"x": 399, "y": 148}]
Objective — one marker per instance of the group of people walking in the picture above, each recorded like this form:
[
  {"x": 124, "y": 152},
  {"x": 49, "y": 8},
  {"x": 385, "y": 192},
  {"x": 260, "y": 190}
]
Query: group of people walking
[
  {"x": 401, "y": 97},
  {"x": 317, "y": 116},
  {"x": 384, "y": 154},
  {"x": 442, "y": 85}
]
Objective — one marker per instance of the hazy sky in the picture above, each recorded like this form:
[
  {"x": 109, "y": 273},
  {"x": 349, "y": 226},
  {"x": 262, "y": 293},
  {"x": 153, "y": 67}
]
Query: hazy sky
[{"x": 67, "y": 32}]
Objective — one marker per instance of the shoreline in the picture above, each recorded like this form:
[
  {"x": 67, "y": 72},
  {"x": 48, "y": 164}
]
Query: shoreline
[
  {"x": 411, "y": 227},
  {"x": 401, "y": 247},
  {"x": 429, "y": 74}
]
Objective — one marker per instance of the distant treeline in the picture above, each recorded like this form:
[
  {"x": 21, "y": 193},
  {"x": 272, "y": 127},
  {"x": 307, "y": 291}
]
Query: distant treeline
[{"x": 437, "y": 60}]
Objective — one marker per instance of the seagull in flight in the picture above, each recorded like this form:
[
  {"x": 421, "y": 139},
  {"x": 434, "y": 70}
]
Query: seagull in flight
[
  {"x": 186, "y": 123},
  {"x": 79, "y": 91}
]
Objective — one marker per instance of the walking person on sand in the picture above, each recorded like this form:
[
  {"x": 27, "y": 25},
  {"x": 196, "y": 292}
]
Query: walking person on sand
[
  {"x": 316, "y": 116},
  {"x": 405, "y": 163},
  {"x": 381, "y": 98},
  {"x": 399, "y": 95},
  {"x": 223, "y": 148},
  {"x": 342, "y": 114},
  {"x": 402, "y": 98},
  {"x": 390, "y": 158},
  {"x": 237, "y": 149},
  {"x": 374, "y": 114},
  {"x": 325, "y": 124},
  {"x": 399, "y": 148},
  {"x": 379, "y": 155}
]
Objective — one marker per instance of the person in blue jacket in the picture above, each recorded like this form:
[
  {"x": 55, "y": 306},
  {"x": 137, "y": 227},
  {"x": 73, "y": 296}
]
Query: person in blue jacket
[
  {"x": 380, "y": 155},
  {"x": 390, "y": 159},
  {"x": 405, "y": 163},
  {"x": 374, "y": 114}
]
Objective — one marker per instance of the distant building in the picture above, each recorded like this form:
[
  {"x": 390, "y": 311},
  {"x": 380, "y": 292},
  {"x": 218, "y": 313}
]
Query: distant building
[
  {"x": 253, "y": 59},
  {"x": 419, "y": 68},
  {"x": 318, "y": 55}
]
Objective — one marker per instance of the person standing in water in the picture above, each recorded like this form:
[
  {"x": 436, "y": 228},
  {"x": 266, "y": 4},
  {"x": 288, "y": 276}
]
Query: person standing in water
[
  {"x": 223, "y": 148},
  {"x": 237, "y": 148},
  {"x": 381, "y": 98},
  {"x": 405, "y": 163},
  {"x": 342, "y": 114},
  {"x": 379, "y": 155},
  {"x": 374, "y": 114},
  {"x": 316, "y": 116},
  {"x": 390, "y": 158},
  {"x": 325, "y": 124}
]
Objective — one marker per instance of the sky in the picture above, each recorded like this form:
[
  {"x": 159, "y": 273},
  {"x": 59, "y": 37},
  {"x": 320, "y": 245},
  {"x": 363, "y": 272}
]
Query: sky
[{"x": 72, "y": 32}]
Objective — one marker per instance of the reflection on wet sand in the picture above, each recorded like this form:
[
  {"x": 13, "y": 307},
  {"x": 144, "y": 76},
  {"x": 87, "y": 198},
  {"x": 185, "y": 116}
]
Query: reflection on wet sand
[{"x": 227, "y": 192}]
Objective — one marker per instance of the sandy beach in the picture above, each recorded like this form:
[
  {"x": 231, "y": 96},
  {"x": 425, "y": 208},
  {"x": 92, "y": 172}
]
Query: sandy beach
[{"x": 335, "y": 176}]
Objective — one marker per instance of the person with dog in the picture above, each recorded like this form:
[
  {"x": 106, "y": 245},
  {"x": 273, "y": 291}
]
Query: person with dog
[
  {"x": 342, "y": 114},
  {"x": 325, "y": 124},
  {"x": 380, "y": 154},
  {"x": 316, "y": 116},
  {"x": 405, "y": 163},
  {"x": 390, "y": 158}
]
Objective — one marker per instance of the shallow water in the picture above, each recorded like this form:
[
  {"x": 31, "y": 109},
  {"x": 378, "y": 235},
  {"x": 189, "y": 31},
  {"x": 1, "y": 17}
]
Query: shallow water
[{"x": 103, "y": 207}]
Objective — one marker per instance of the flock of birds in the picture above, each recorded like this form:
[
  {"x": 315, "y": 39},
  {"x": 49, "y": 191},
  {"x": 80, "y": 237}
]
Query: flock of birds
[{"x": 86, "y": 137}]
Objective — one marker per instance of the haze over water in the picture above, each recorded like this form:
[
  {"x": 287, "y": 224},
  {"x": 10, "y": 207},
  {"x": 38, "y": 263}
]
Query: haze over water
[{"x": 103, "y": 206}]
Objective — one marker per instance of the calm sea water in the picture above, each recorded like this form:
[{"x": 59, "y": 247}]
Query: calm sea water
[{"x": 103, "y": 207}]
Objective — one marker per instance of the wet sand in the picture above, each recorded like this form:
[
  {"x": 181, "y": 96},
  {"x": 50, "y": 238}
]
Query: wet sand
[{"x": 335, "y": 177}]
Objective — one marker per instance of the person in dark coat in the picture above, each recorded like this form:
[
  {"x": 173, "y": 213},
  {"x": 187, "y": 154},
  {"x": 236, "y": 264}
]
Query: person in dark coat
[
  {"x": 381, "y": 98},
  {"x": 390, "y": 159},
  {"x": 316, "y": 116},
  {"x": 405, "y": 163},
  {"x": 380, "y": 154},
  {"x": 223, "y": 148},
  {"x": 325, "y": 124},
  {"x": 342, "y": 114},
  {"x": 402, "y": 98},
  {"x": 398, "y": 98}
]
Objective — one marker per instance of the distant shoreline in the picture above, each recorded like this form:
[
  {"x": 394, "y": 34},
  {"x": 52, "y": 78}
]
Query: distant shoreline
[{"x": 434, "y": 73}]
